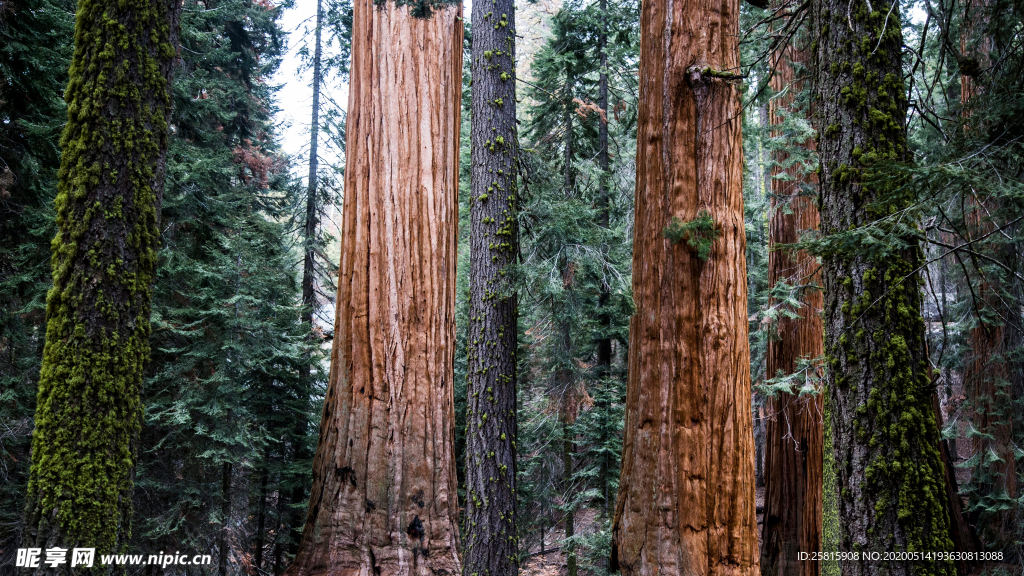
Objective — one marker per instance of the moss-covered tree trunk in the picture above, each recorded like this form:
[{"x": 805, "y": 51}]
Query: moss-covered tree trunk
[
  {"x": 383, "y": 500},
  {"x": 491, "y": 540},
  {"x": 104, "y": 255},
  {"x": 889, "y": 476},
  {"x": 793, "y": 446},
  {"x": 686, "y": 493}
]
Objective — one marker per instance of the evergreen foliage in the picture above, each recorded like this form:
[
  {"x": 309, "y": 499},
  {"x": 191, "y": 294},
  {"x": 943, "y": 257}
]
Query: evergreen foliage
[
  {"x": 34, "y": 59},
  {"x": 235, "y": 378},
  {"x": 698, "y": 233},
  {"x": 571, "y": 258},
  {"x": 228, "y": 435}
]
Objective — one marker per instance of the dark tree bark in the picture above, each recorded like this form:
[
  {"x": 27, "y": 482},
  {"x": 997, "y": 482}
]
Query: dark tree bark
[
  {"x": 309, "y": 304},
  {"x": 224, "y": 541},
  {"x": 104, "y": 255},
  {"x": 604, "y": 319},
  {"x": 570, "y": 513},
  {"x": 793, "y": 444},
  {"x": 491, "y": 543},
  {"x": 884, "y": 435},
  {"x": 261, "y": 520},
  {"x": 312, "y": 209},
  {"x": 686, "y": 494},
  {"x": 384, "y": 496}
]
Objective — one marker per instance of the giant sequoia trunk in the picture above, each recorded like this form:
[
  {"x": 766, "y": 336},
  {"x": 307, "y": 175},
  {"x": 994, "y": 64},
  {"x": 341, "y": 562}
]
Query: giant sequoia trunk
[
  {"x": 986, "y": 375},
  {"x": 793, "y": 447},
  {"x": 686, "y": 494},
  {"x": 384, "y": 490},
  {"x": 104, "y": 256},
  {"x": 492, "y": 542},
  {"x": 889, "y": 475}
]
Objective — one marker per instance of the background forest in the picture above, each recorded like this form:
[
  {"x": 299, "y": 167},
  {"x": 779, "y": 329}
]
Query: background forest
[{"x": 243, "y": 300}]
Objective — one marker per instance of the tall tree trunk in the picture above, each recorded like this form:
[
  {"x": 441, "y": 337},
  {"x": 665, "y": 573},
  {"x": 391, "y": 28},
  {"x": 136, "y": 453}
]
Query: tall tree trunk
[
  {"x": 686, "y": 494},
  {"x": 570, "y": 513},
  {"x": 885, "y": 438},
  {"x": 794, "y": 438},
  {"x": 309, "y": 304},
  {"x": 565, "y": 378},
  {"x": 261, "y": 517},
  {"x": 225, "y": 515},
  {"x": 490, "y": 528},
  {"x": 312, "y": 209},
  {"x": 384, "y": 497},
  {"x": 104, "y": 256},
  {"x": 604, "y": 317},
  {"x": 985, "y": 375}
]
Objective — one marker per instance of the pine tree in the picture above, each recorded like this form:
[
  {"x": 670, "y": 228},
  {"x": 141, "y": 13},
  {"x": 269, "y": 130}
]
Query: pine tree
[
  {"x": 34, "y": 60},
  {"x": 104, "y": 255},
  {"x": 224, "y": 392},
  {"x": 575, "y": 273},
  {"x": 490, "y": 528}
]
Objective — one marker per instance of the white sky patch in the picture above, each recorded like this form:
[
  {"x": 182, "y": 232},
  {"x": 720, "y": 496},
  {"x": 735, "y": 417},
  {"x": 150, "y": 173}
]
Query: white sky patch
[{"x": 295, "y": 97}]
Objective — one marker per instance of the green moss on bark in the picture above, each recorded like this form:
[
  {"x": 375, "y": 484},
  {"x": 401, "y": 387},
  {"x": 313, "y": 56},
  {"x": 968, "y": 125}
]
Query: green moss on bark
[
  {"x": 104, "y": 255},
  {"x": 886, "y": 476}
]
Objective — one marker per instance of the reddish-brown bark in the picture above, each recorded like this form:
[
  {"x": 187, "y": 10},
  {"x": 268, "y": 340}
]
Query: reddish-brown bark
[
  {"x": 686, "y": 494},
  {"x": 384, "y": 488},
  {"x": 793, "y": 448},
  {"x": 986, "y": 372}
]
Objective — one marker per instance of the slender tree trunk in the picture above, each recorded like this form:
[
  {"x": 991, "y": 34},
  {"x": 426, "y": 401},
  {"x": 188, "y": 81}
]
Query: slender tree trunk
[
  {"x": 312, "y": 209},
  {"x": 965, "y": 538},
  {"x": 794, "y": 437},
  {"x": 490, "y": 529},
  {"x": 888, "y": 469},
  {"x": 309, "y": 303},
  {"x": 686, "y": 494},
  {"x": 384, "y": 497},
  {"x": 760, "y": 424},
  {"x": 225, "y": 514},
  {"x": 261, "y": 522},
  {"x": 570, "y": 513},
  {"x": 110, "y": 187},
  {"x": 567, "y": 386},
  {"x": 604, "y": 317}
]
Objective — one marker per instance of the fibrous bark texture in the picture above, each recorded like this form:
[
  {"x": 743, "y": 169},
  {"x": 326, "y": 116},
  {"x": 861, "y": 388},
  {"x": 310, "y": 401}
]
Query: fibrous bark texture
[
  {"x": 104, "y": 256},
  {"x": 686, "y": 491},
  {"x": 384, "y": 495},
  {"x": 491, "y": 541},
  {"x": 888, "y": 469},
  {"x": 793, "y": 447},
  {"x": 986, "y": 376}
]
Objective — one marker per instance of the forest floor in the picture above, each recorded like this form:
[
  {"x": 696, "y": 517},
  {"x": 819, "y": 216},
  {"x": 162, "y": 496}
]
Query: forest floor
[{"x": 552, "y": 562}]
